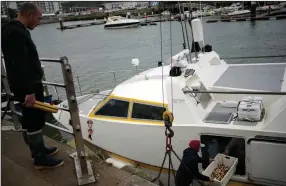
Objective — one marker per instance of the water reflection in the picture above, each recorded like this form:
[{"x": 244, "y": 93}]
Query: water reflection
[{"x": 252, "y": 24}]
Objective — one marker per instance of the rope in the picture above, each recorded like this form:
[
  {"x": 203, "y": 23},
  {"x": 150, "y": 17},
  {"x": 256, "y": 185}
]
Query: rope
[
  {"x": 186, "y": 28},
  {"x": 171, "y": 61},
  {"x": 184, "y": 44},
  {"x": 162, "y": 60},
  {"x": 183, "y": 31},
  {"x": 169, "y": 133},
  {"x": 190, "y": 23}
]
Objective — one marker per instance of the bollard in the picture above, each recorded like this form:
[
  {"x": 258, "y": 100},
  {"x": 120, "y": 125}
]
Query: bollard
[
  {"x": 253, "y": 9},
  {"x": 61, "y": 24}
]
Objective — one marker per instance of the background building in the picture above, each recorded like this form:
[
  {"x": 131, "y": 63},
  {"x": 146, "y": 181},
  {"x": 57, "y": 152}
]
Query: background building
[
  {"x": 47, "y": 7},
  {"x": 7, "y": 4}
]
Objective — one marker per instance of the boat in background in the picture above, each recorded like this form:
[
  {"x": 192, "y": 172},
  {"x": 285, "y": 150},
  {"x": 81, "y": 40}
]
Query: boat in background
[
  {"x": 239, "y": 13},
  {"x": 121, "y": 22}
]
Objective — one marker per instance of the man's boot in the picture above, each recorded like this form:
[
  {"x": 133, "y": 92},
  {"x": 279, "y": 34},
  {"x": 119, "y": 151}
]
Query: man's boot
[
  {"x": 41, "y": 159},
  {"x": 49, "y": 151}
]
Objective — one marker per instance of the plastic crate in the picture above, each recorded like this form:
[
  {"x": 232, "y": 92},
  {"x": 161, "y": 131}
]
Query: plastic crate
[{"x": 228, "y": 161}]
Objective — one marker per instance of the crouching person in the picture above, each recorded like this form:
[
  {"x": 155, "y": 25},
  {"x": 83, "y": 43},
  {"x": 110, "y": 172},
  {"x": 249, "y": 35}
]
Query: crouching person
[{"x": 191, "y": 160}]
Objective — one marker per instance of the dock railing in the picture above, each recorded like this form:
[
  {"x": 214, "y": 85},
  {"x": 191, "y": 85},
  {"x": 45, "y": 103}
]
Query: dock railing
[{"x": 83, "y": 167}]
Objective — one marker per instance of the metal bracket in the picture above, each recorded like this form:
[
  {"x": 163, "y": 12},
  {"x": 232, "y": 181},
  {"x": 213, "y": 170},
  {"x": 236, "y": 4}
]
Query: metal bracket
[{"x": 83, "y": 179}]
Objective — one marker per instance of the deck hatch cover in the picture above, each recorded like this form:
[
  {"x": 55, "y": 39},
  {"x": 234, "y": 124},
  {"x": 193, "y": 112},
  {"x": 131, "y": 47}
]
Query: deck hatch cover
[{"x": 218, "y": 118}]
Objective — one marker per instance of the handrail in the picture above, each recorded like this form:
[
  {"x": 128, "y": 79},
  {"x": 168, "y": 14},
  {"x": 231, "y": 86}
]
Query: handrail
[
  {"x": 114, "y": 78},
  {"x": 113, "y": 71},
  {"x": 235, "y": 92},
  {"x": 45, "y": 59},
  {"x": 50, "y": 60},
  {"x": 254, "y": 57},
  {"x": 54, "y": 84}
]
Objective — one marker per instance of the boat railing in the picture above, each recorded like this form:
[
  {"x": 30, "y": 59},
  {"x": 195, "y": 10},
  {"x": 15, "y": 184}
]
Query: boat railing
[{"x": 95, "y": 81}]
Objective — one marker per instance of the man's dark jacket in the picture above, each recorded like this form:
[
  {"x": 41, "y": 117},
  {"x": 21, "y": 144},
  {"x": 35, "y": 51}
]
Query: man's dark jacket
[
  {"x": 191, "y": 159},
  {"x": 22, "y": 62}
]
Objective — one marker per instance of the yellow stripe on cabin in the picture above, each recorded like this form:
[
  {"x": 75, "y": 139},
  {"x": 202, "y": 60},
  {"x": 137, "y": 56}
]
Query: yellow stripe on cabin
[{"x": 128, "y": 119}]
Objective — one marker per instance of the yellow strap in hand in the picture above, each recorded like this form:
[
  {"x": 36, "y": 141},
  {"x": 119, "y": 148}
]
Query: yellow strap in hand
[{"x": 46, "y": 107}]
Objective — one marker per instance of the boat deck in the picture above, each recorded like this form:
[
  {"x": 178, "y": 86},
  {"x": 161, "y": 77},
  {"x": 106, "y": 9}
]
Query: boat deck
[
  {"x": 264, "y": 77},
  {"x": 226, "y": 116}
]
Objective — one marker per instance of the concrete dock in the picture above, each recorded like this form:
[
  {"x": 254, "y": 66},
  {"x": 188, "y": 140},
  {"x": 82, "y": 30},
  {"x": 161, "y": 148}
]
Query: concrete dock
[
  {"x": 17, "y": 167},
  {"x": 247, "y": 19},
  {"x": 62, "y": 27}
]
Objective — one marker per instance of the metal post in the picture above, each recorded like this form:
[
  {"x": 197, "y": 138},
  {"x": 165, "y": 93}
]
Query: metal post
[
  {"x": 79, "y": 85},
  {"x": 61, "y": 23},
  {"x": 10, "y": 101},
  {"x": 44, "y": 79},
  {"x": 253, "y": 9},
  {"x": 114, "y": 78},
  {"x": 83, "y": 168},
  {"x": 56, "y": 91}
]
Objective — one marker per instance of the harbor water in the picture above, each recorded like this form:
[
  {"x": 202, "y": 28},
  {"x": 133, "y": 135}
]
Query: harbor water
[{"x": 95, "y": 49}]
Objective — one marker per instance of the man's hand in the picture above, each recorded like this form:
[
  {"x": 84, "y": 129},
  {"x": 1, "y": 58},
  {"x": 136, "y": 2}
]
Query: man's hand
[
  {"x": 30, "y": 100},
  {"x": 211, "y": 160},
  {"x": 211, "y": 179}
]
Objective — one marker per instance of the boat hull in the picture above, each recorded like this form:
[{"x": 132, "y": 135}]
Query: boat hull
[
  {"x": 145, "y": 143},
  {"x": 122, "y": 25}
]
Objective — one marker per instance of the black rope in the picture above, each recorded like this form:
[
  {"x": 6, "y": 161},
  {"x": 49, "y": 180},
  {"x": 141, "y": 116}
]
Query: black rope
[
  {"x": 172, "y": 167},
  {"x": 190, "y": 23},
  {"x": 188, "y": 41},
  {"x": 180, "y": 12},
  {"x": 171, "y": 48},
  {"x": 169, "y": 171},
  {"x": 186, "y": 28},
  {"x": 162, "y": 59}
]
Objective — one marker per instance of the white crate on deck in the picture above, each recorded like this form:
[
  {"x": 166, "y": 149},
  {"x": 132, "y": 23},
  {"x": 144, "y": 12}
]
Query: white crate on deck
[{"x": 228, "y": 161}]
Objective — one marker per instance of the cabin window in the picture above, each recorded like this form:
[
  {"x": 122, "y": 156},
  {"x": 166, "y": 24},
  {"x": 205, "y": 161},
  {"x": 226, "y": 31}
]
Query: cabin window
[
  {"x": 115, "y": 108},
  {"x": 234, "y": 147},
  {"x": 150, "y": 112}
]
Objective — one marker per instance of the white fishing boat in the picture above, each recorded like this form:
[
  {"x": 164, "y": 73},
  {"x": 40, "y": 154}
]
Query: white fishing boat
[
  {"x": 166, "y": 13},
  {"x": 239, "y": 13},
  {"x": 127, "y": 121},
  {"x": 232, "y": 7},
  {"x": 121, "y": 22}
]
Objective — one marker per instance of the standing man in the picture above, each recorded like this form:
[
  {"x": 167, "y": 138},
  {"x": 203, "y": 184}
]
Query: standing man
[
  {"x": 25, "y": 75},
  {"x": 191, "y": 160}
]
